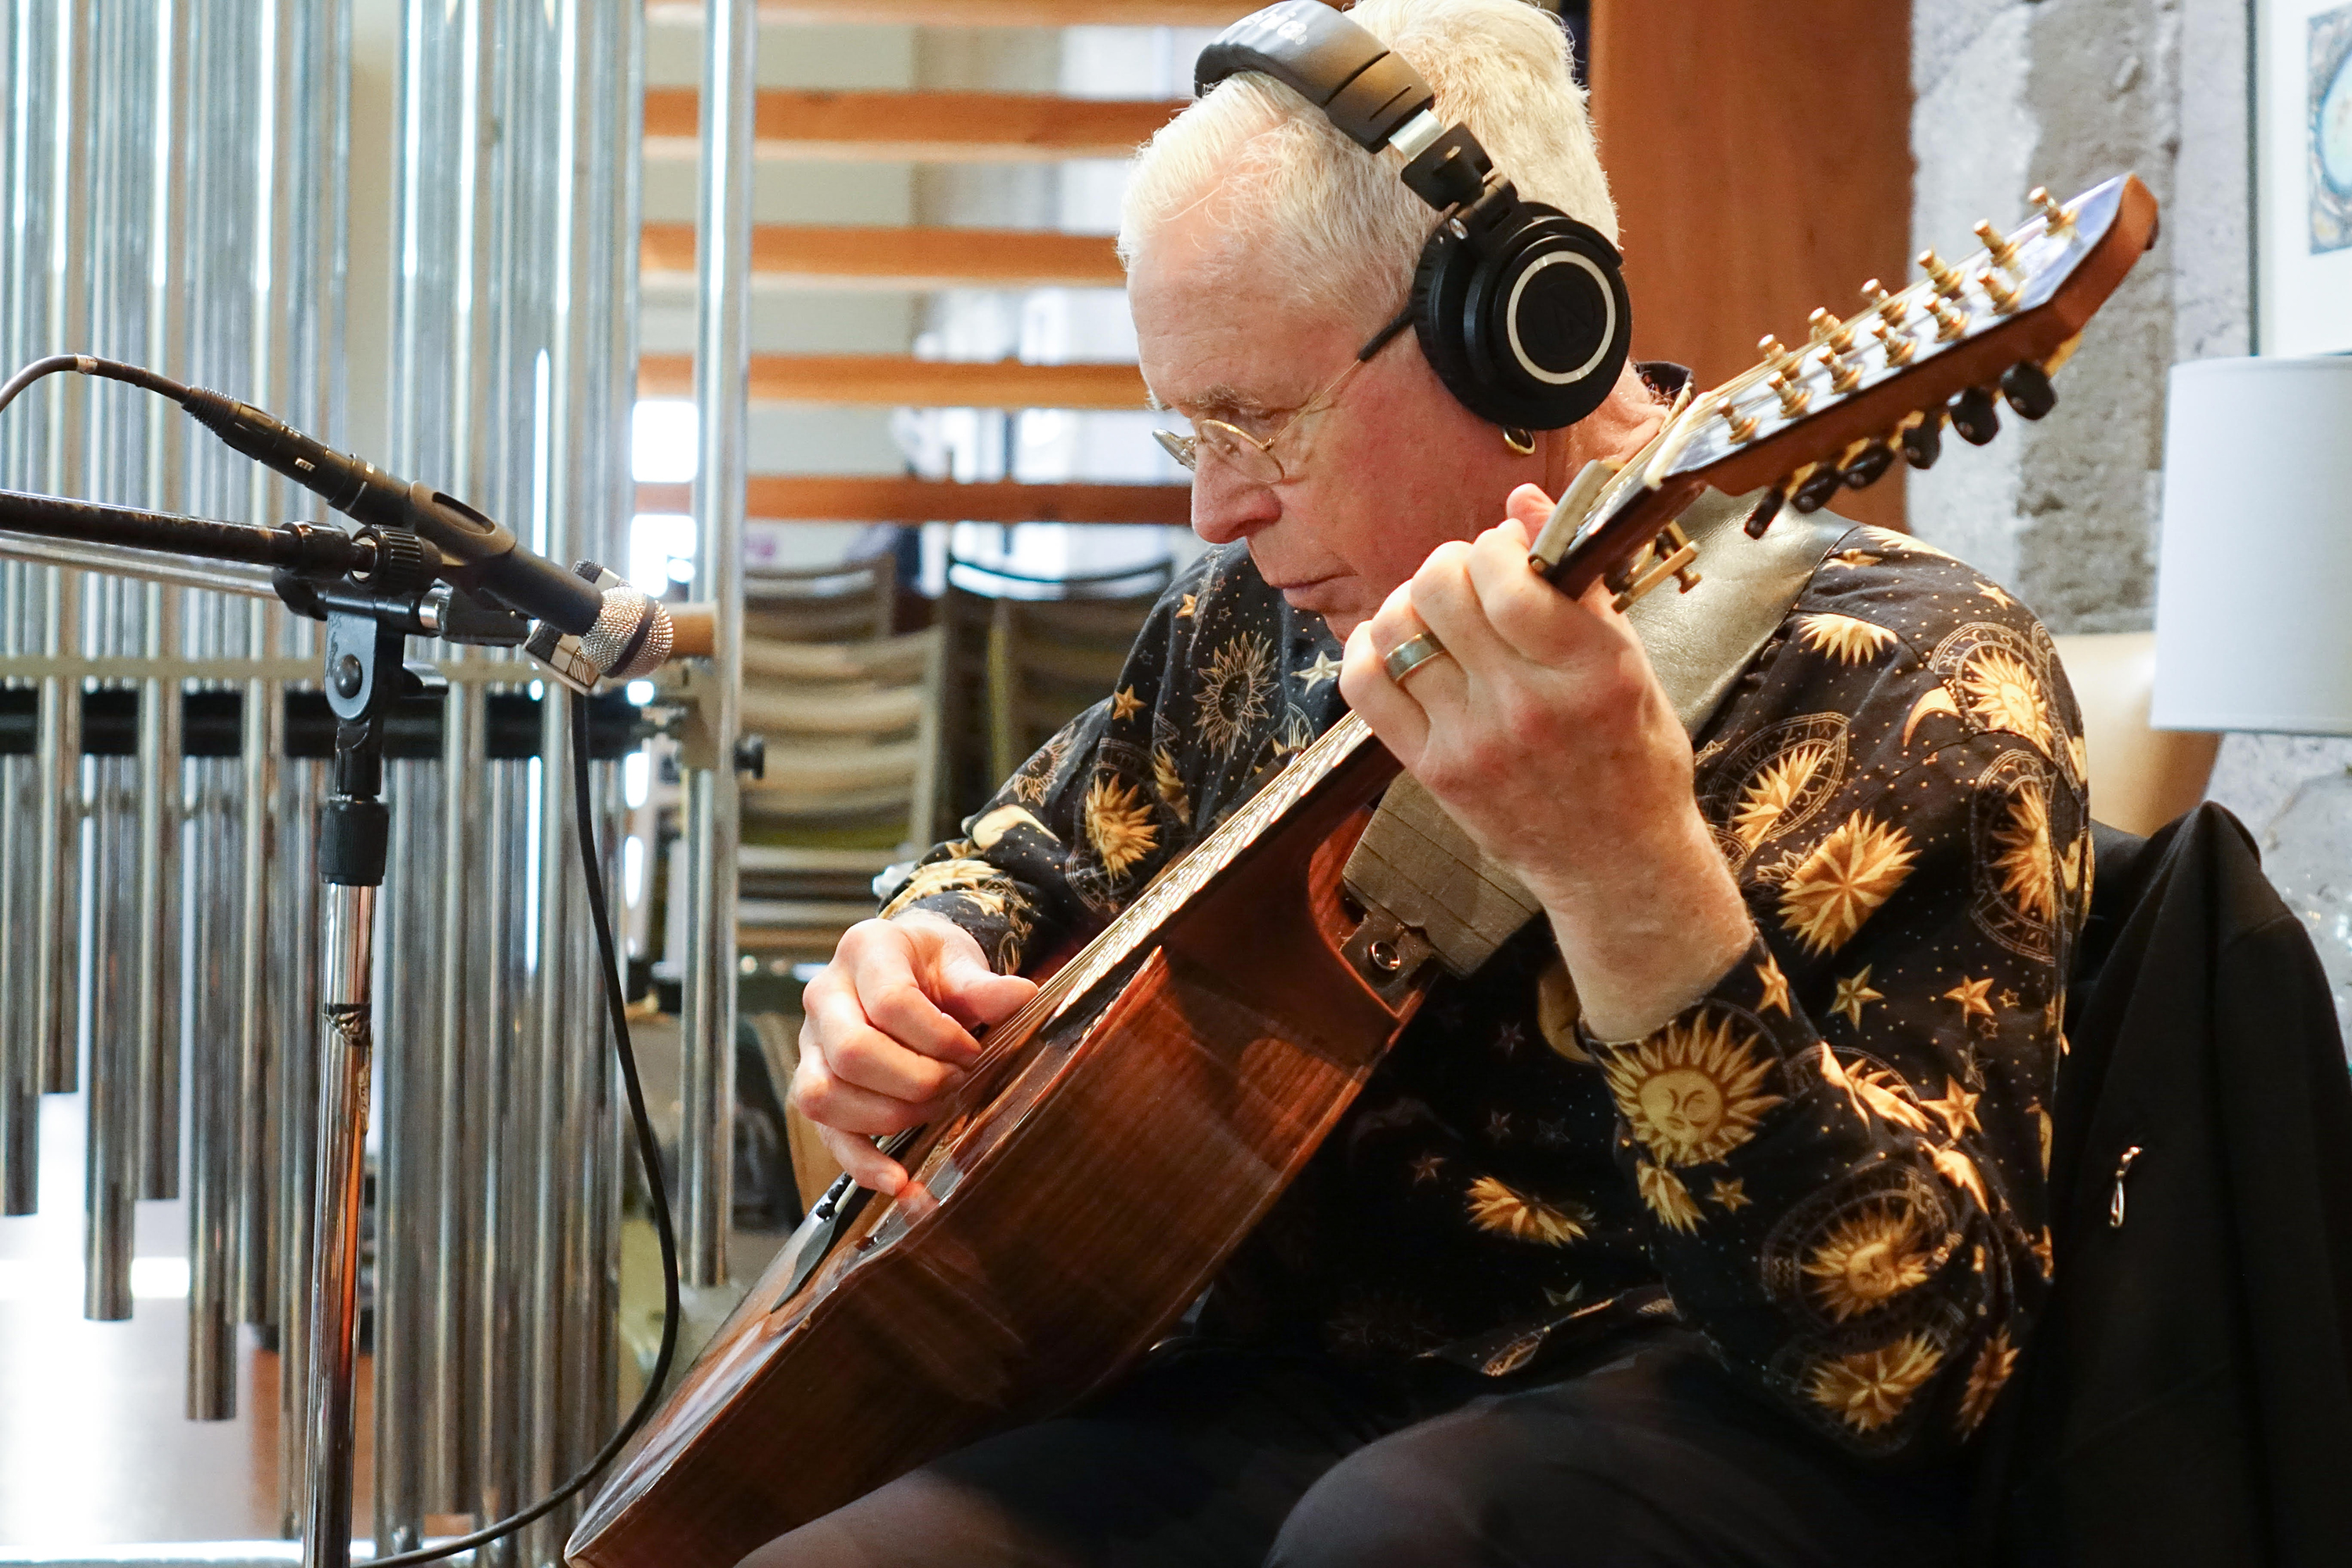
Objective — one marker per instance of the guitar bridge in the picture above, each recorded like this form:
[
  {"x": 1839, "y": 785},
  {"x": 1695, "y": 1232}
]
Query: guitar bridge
[{"x": 1670, "y": 554}]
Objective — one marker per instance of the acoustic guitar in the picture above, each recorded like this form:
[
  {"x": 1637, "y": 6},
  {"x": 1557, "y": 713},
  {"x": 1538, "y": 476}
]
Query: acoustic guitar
[{"x": 1126, "y": 1127}]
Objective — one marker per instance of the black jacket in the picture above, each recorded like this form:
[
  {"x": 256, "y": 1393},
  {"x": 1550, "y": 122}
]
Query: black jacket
[{"x": 2187, "y": 1396}]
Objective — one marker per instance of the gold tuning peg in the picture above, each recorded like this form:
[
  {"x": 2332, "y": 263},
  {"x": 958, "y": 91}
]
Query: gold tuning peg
[
  {"x": 1997, "y": 245},
  {"x": 1947, "y": 278},
  {"x": 1844, "y": 373},
  {"x": 2003, "y": 294},
  {"x": 1742, "y": 423},
  {"x": 1890, "y": 307},
  {"x": 1828, "y": 329},
  {"x": 1777, "y": 355},
  {"x": 1793, "y": 397},
  {"x": 2055, "y": 218},
  {"x": 1950, "y": 320},
  {"x": 1899, "y": 345}
]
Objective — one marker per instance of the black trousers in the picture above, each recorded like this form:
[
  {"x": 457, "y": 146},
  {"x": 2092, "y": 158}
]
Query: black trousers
[{"x": 1646, "y": 1455}]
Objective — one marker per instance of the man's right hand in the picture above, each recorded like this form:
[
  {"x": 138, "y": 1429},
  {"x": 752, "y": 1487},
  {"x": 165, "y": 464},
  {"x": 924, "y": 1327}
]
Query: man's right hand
[{"x": 886, "y": 1034}]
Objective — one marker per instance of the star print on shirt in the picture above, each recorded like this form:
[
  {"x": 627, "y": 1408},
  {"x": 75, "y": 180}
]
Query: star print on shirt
[
  {"x": 1853, "y": 993},
  {"x": 1775, "y": 984},
  {"x": 1510, "y": 1036},
  {"x": 1125, "y": 703},
  {"x": 1957, "y": 1107},
  {"x": 1498, "y": 1126},
  {"x": 1426, "y": 1167},
  {"x": 1325, "y": 668},
  {"x": 1184, "y": 610},
  {"x": 1970, "y": 995}
]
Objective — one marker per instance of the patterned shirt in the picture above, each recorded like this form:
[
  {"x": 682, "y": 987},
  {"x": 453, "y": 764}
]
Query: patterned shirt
[{"x": 1832, "y": 1165}]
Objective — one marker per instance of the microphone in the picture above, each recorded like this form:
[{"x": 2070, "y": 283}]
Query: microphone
[
  {"x": 593, "y": 625},
  {"x": 631, "y": 638},
  {"x": 478, "y": 554}
]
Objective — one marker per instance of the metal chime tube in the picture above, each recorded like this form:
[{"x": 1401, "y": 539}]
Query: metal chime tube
[
  {"x": 722, "y": 371},
  {"x": 119, "y": 240},
  {"x": 28, "y": 957},
  {"x": 58, "y": 747},
  {"x": 155, "y": 1026},
  {"x": 221, "y": 323}
]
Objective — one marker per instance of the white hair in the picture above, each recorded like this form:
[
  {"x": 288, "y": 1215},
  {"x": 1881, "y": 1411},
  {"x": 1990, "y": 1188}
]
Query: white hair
[{"x": 1334, "y": 224}]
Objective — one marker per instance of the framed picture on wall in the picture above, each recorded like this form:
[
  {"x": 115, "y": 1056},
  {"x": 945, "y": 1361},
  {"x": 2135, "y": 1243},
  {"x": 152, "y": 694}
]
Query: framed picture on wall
[{"x": 2302, "y": 114}]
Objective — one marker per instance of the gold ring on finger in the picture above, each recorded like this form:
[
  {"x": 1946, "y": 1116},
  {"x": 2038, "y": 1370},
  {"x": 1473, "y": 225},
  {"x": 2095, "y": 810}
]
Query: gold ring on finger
[{"x": 1411, "y": 655}]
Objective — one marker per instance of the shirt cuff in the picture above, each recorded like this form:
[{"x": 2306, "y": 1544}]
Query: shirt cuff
[{"x": 1754, "y": 988}]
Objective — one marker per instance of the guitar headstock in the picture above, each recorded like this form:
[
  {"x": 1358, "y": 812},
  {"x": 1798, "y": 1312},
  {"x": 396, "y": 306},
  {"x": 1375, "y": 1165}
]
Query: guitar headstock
[{"x": 1837, "y": 411}]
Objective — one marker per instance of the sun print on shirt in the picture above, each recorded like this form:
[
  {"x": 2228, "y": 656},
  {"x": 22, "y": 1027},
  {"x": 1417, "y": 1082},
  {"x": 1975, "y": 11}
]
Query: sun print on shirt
[
  {"x": 1835, "y": 888},
  {"x": 1500, "y": 1209},
  {"x": 1869, "y": 1257},
  {"x": 1693, "y": 1092},
  {"x": 1118, "y": 823},
  {"x": 1870, "y": 1388}
]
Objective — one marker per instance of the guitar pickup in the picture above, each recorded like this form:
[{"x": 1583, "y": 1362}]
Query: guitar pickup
[{"x": 1670, "y": 554}]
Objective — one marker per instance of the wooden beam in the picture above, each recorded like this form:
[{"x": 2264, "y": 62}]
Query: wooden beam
[
  {"x": 921, "y": 127},
  {"x": 1801, "y": 117},
  {"x": 977, "y": 13},
  {"x": 830, "y": 499},
  {"x": 890, "y": 381},
  {"x": 807, "y": 256}
]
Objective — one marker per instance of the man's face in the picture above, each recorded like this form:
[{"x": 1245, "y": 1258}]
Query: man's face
[{"x": 1373, "y": 481}]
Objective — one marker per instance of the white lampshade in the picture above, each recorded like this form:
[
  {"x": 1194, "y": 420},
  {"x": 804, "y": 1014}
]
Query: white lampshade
[{"x": 2254, "y": 604}]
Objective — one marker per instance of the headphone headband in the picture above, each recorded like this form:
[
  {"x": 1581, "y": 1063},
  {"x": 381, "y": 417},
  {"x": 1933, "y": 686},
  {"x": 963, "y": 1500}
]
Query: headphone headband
[{"x": 1368, "y": 92}]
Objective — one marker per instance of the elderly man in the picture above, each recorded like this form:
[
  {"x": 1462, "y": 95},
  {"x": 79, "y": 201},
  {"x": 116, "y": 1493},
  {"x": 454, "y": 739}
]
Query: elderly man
[{"x": 1730, "y": 1268}]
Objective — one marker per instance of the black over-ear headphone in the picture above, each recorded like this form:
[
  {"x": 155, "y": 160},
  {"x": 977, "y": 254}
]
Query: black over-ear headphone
[{"x": 1519, "y": 307}]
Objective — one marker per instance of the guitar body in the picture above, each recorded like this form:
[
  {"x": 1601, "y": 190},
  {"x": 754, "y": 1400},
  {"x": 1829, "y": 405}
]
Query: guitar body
[{"x": 1062, "y": 1227}]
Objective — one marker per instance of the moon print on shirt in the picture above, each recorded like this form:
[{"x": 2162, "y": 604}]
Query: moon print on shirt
[
  {"x": 2014, "y": 870},
  {"x": 1236, "y": 691},
  {"x": 1775, "y": 782}
]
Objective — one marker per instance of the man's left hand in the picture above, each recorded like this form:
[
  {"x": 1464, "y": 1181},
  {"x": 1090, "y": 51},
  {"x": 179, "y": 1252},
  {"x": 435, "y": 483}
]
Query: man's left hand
[{"x": 1543, "y": 731}]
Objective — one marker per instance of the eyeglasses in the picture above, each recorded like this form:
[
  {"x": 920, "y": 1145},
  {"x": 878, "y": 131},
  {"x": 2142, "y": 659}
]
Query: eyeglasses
[{"x": 1253, "y": 457}]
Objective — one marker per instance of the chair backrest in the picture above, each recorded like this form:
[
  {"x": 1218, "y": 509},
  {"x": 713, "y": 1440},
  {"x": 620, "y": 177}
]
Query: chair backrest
[
  {"x": 2141, "y": 778},
  {"x": 1018, "y": 665},
  {"x": 848, "y": 602}
]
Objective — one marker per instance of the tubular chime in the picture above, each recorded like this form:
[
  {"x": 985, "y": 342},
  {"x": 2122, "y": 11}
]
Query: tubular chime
[{"x": 178, "y": 179}]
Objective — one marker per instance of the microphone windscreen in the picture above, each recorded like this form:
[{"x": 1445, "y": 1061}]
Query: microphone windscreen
[{"x": 632, "y": 635}]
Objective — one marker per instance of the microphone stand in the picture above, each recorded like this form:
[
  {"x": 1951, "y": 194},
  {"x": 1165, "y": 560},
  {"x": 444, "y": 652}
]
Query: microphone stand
[{"x": 373, "y": 588}]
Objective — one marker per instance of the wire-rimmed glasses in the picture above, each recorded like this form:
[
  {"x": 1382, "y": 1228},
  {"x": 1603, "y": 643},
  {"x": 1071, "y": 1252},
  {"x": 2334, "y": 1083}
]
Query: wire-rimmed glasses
[{"x": 1252, "y": 456}]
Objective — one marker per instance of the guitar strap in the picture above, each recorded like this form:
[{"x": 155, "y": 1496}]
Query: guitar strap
[{"x": 1417, "y": 871}]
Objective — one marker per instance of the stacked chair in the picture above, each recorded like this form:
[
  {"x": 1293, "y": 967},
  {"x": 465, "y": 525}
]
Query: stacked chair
[
  {"x": 844, "y": 706},
  {"x": 1021, "y": 656}
]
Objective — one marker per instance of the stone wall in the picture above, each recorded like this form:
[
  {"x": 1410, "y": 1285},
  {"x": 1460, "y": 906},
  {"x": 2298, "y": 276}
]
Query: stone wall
[{"x": 2008, "y": 94}]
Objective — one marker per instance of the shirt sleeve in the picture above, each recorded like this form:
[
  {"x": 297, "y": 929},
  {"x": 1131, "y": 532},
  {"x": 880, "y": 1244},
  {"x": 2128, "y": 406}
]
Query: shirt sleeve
[
  {"x": 1843, "y": 1147},
  {"x": 1089, "y": 818}
]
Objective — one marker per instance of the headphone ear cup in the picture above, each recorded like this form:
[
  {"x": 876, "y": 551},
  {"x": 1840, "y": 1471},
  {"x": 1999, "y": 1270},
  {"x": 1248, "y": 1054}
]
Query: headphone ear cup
[
  {"x": 1441, "y": 284},
  {"x": 1530, "y": 328},
  {"x": 1546, "y": 323}
]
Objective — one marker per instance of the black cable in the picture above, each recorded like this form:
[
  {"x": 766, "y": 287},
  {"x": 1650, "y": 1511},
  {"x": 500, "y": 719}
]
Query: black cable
[
  {"x": 90, "y": 364},
  {"x": 616, "y": 1006}
]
